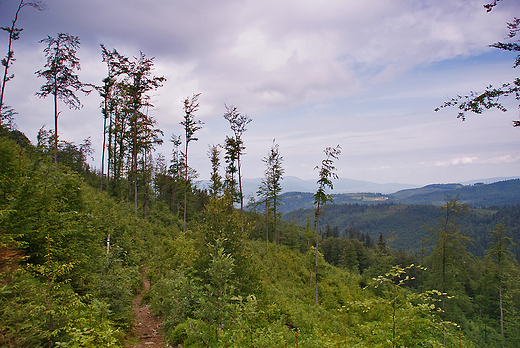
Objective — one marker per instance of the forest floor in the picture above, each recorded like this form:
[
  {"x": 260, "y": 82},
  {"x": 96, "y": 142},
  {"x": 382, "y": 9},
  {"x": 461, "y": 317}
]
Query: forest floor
[{"x": 146, "y": 331}]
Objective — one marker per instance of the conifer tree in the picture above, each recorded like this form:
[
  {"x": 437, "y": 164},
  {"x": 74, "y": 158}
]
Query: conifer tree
[
  {"x": 216, "y": 180},
  {"x": 501, "y": 256},
  {"x": 191, "y": 126},
  {"x": 449, "y": 252},
  {"x": 235, "y": 147},
  {"x": 176, "y": 169},
  {"x": 60, "y": 73},
  {"x": 326, "y": 172},
  {"x": 270, "y": 189}
]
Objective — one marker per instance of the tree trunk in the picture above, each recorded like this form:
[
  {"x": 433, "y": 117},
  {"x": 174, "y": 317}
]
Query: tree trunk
[
  {"x": 267, "y": 226},
  {"x": 316, "y": 263},
  {"x": 276, "y": 236},
  {"x": 185, "y": 187},
  {"x": 55, "y": 126},
  {"x": 8, "y": 59},
  {"x": 134, "y": 161},
  {"x": 501, "y": 311},
  {"x": 103, "y": 147}
]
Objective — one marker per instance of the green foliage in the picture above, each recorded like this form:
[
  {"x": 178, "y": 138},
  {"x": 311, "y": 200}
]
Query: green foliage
[
  {"x": 58, "y": 286},
  {"x": 216, "y": 185},
  {"x": 448, "y": 256},
  {"x": 115, "y": 285},
  {"x": 173, "y": 297},
  {"x": 477, "y": 102},
  {"x": 22, "y": 305},
  {"x": 90, "y": 328},
  {"x": 270, "y": 190},
  {"x": 214, "y": 286}
]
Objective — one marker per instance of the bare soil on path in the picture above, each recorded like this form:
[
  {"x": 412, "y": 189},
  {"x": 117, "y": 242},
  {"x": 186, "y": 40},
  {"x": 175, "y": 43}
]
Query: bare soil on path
[{"x": 147, "y": 328}]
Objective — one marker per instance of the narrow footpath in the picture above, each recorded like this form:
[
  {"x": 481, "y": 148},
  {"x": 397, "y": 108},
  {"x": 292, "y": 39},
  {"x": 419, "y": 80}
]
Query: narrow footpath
[{"x": 147, "y": 328}]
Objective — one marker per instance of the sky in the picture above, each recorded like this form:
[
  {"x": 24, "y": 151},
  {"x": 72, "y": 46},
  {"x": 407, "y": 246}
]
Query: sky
[{"x": 366, "y": 75}]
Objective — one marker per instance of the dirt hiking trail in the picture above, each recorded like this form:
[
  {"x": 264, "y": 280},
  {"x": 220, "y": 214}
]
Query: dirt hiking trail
[{"x": 147, "y": 330}]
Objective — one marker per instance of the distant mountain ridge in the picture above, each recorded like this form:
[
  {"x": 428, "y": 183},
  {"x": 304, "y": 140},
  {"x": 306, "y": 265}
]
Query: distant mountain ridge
[
  {"x": 499, "y": 193},
  {"x": 344, "y": 185}
]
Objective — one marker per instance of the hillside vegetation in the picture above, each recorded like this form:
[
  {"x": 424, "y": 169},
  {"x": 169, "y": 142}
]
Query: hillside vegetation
[
  {"x": 70, "y": 260},
  {"x": 404, "y": 226}
]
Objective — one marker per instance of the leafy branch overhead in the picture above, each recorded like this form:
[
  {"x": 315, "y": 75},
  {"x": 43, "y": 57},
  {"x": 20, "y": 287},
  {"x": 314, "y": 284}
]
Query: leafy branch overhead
[{"x": 491, "y": 97}]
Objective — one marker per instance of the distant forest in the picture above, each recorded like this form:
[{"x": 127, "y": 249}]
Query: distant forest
[{"x": 404, "y": 226}]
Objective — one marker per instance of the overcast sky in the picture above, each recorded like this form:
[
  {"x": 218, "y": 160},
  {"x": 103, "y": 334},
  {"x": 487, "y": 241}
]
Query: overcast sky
[{"x": 363, "y": 74}]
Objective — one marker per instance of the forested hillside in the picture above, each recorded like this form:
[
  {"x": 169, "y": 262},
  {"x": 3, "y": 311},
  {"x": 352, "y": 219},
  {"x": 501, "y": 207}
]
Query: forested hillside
[
  {"x": 71, "y": 262},
  {"x": 502, "y": 193},
  {"x": 77, "y": 243},
  {"x": 404, "y": 226}
]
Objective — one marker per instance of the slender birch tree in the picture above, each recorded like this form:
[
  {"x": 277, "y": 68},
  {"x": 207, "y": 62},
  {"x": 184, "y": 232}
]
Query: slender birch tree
[{"x": 108, "y": 92}]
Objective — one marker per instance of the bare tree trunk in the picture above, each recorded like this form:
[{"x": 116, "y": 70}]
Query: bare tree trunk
[
  {"x": 185, "y": 188},
  {"x": 316, "y": 263},
  {"x": 9, "y": 55},
  {"x": 111, "y": 154},
  {"x": 241, "y": 195},
  {"x": 103, "y": 147},
  {"x": 134, "y": 161},
  {"x": 276, "y": 234},
  {"x": 55, "y": 126},
  {"x": 267, "y": 227},
  {"x": 501, "y": 312}
]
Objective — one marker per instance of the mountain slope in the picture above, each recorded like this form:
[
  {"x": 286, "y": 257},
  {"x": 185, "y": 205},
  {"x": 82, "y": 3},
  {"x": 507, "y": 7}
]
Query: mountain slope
[{"x": 501, "y": 193}]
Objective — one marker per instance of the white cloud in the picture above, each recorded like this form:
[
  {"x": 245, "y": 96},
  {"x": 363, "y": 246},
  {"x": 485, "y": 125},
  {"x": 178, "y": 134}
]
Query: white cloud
[
  {"x": 503, "y": 159},
  {"x": 462, "y": 161}
]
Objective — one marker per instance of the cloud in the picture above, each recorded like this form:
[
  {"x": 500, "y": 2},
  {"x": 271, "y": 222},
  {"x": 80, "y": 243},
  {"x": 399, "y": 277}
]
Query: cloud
[
  {"x": 461, "y": 161},
  {"x": 264, "y": 54},
  {"x": 312, "y": 74},
  {"x": 503, "y": 159}
]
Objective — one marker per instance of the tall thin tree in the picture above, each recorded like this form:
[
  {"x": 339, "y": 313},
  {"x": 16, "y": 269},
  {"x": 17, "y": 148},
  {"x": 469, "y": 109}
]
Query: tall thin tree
[
  {"x": 139, "y": 82},
  {"x": 449, "y": 252},
  {"x": 501, "y": 255},
  {"x": 270, "y": 189},
  {"x": 216, "y": 180},
  {"x": 60, "y": 73},
  {"x": 107, "y": 91},
  {"x": 191, "y": 126},
  {"x": 14, "y": 34},
  {"x": 238, "y": 124},
  {"x": 326, "y": 172}
]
